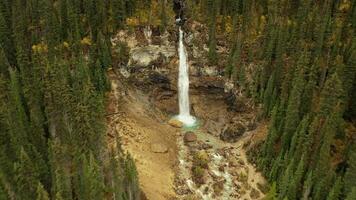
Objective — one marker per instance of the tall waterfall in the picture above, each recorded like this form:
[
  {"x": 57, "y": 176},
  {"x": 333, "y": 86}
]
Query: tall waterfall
[{"x": 183, "y": 85}]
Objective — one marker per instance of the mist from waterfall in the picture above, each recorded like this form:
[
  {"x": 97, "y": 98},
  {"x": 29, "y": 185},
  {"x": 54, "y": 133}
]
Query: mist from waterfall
[{"x": 183, "y": 85}]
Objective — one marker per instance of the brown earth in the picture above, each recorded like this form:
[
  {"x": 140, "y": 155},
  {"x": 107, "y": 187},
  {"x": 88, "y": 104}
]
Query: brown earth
[{"x": 139, "y": 129}]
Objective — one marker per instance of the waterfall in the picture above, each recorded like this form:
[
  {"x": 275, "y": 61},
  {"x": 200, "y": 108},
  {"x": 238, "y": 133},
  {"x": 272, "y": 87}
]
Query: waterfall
[{"x": 183, "y": 85}]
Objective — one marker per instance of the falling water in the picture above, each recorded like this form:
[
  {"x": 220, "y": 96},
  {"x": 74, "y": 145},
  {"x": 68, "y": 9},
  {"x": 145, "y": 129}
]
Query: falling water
[{"x": 183, "y": 85}]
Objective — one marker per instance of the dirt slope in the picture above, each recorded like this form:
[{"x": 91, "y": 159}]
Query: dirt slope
[{"x": 141, "y": 127}]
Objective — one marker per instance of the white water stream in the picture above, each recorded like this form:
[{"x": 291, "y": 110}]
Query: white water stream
[{"x": 183, "y": 85}]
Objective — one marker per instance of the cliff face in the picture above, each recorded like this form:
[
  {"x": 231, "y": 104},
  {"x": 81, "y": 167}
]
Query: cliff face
[{"x": 152, "y": 67}]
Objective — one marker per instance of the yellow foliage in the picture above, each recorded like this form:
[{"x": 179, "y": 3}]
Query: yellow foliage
[
  {"x": 263, "y": 19},
  {"x": 132, "y": 21},
  {"x": 345, "y": 6},
  {"x": 39, "y": 48},
  {"x": 65, "y": 45},
  {"x": 86, "y": 41},
  {"x": 289, "y": 22}
]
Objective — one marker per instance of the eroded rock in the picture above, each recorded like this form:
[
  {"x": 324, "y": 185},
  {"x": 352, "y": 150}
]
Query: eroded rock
[
  {"x": 146, "y": 55},
  {"x": 175, "y": 123},
  {"x": 232, "y": 132}
]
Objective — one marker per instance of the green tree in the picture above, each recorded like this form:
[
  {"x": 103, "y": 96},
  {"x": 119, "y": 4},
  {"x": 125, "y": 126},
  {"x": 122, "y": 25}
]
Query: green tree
[
  {"x": 41, "y": 193},
  {"x": 335, "y": 192},
  {"x": 350, "y": 174},
  {"x": 163, "y": 16},
  {"x": 119, "y": 13},
  {"x": 212, "y": 10},
  {"x": 293, "y": 116},
  {"x": 272, "y": 194},
  {"x": 27, "y": 177},
  {"x": 351, "y": 195}
]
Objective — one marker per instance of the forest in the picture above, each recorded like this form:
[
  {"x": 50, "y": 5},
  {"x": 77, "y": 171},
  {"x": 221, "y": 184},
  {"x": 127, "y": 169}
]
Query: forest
[{"x": 67, "y": 117}]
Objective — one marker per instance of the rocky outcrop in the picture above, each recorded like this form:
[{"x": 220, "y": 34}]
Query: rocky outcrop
[
  {"x": 147, "y": 56},
  {"x": 237, "y": 127},
  {"x": 232, "y": 132}
]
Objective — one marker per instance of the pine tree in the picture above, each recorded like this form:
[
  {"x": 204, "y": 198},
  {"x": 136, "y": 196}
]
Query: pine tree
[
  {"x": 119, "y": 12},
  {"x": 117, "y": 172},
  {"x": 131, "y": 180},
  {"x": 91, "y": 180},
  {"x": 351, "y": 195},
  {"x": 330, "y": 95},
  {"x": 294, "y": 185},
  {"x": 41, "y": 193},
  {"x": 323, "y": 169},
  {"x": 26, "y": 178},
  {"x": 272, "y": 194},
  {"x": 307, "y": 186},
  {"x": 212, "y": 9},
  {"x": 292, "y": 113},
  {"x": 335, "y": 192},
  {"x": 285, "y": 180},
  {"x": 163, "y": 16},
  {"x": 104, "y": 51},
  {"x": 3, "y": 195},
  {"x": 64, "y": 21},
  {"x": 350, "y": 174},
  {"x": 6, "y": 41},
  {"x": 267, "y": 99},
  {"x": 299, "y": 138}
]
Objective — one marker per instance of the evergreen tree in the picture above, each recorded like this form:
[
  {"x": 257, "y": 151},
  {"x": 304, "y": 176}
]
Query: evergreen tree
[
  {"x": 41, "y": 193},
  {"x": 119, "y": 12},
  {"x": 350, "y": 174},
  {"x": 212, "y": 9},
  {"x": 27, "y": 177},
  {"x": 272, "y": 194},
  {"x": 163, "y": 16},
  {"x": 336, "y": 190},
  {"x": 6, "y": 42},
  {"x": 292, "y": 116},
  {"x": 351, "y": 195}
]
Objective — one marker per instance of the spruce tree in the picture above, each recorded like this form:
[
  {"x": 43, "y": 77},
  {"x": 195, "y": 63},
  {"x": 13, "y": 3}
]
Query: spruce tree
[
  {"x": 6, "y": 39},
  {"x": 212, "y": 9},
  {"x": 351, "y": 195},
  {"x": 292, "y": 113},
  {"x": 272, "y": 194},
  {"x": 335, "y": 192},
  {"x": 350, "y": 174},
  {"x": 27, "y": 177},
  {"x": 41, "y": 193},
  {"x": 163, "y": 16},
  {"x": 119, "y": 12}
]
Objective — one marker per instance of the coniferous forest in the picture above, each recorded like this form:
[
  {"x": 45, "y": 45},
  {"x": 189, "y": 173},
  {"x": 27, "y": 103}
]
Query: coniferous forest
[
  {"x": 295, "y": 60},
  {"x": 53, "y": 57}
]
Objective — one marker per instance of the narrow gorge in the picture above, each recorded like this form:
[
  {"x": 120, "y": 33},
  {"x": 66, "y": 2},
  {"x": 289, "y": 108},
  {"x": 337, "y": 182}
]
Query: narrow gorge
[{"x": 201, "y": 157}]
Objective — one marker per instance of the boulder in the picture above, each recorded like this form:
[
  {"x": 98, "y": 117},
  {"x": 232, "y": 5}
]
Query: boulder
[
  {"x": 175, "y": 123},
  {"x": 190, "y": 137},
  {"x": 147, "y": 55},
  {"x": 210, "y": 71},
  {"x": 218, "y": 187},
  {"x": 159, "y": 148},
  {"x": 232, "y": 132}
]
